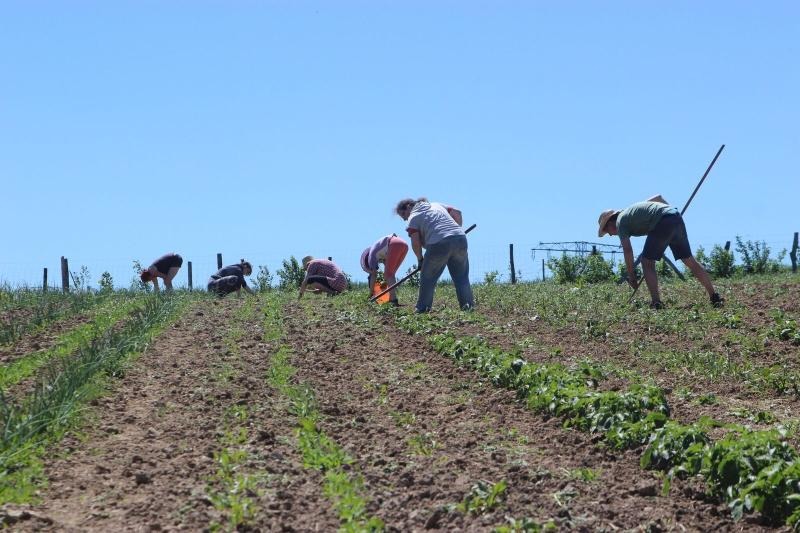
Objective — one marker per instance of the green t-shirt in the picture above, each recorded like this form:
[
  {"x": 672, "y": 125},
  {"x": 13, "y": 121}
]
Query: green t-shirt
[{"x": 640, "y": 218}]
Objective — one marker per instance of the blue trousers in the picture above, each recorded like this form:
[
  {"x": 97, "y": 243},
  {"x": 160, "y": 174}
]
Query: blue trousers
[{"x": 450, "y": 252}]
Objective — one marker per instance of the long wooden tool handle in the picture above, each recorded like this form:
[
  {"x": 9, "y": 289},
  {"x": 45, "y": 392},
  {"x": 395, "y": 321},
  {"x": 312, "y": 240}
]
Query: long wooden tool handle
[
  {"x": 685, "y": 207},
  {"x": 395, "y": 284}
]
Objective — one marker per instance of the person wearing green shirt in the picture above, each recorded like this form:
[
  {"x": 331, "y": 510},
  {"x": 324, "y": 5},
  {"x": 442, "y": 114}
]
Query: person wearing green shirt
[{"x": 663, "y": 225}]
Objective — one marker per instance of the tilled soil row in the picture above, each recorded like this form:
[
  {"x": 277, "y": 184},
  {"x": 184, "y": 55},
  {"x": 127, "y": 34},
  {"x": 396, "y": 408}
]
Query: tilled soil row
[
  {"x": 750, "y": 306},
  {"x": 41, "y": 339},
  {"x": 148, "y": 461},
  {"x": 567, "y": 347},
  {"x": 424, "y": 431}
]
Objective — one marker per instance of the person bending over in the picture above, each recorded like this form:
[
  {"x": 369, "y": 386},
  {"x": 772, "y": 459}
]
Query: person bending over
[
  {"x": 230, "y": 279},
  {"x": 437, "y": 228},
  {"x": 322, "y": 276},
  {"x": 165, "y": 267},
  {"x": 389, "y": 250},
  {"x": 663, "y": 225}
]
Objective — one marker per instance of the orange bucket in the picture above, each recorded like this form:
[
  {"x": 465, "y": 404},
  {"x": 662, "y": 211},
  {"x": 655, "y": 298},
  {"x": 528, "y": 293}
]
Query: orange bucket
[{"x": 378, "y": 287}]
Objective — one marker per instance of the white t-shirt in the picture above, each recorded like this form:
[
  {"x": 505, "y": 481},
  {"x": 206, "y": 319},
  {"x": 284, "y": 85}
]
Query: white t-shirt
[{"x": 433, "y": 223}]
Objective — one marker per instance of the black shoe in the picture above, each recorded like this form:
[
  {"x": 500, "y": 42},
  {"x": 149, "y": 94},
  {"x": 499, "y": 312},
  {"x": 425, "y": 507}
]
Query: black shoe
[
  {"x": 717, "y": 300},
  {"x": 656, "y": 305}
]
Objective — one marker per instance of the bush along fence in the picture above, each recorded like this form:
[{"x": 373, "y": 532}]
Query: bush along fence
[
  {"x": 753, "y": 471},
  {"x": 585, "y": 261},
  {"x": 27, "y": 428}
]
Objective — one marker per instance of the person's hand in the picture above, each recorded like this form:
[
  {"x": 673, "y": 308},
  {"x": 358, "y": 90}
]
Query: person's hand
[
  {"x": 633, "y": 282},
  {"x": 419, "y": 262}
]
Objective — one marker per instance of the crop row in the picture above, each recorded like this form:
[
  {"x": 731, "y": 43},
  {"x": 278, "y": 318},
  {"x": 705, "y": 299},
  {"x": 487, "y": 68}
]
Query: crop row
[
  {"x": 320, "y": 452},
  {"x": 751, "y": 470},
  {"x": 104, "y": 317},
  {"x": 65, "y": 385},
  {"x": 26, "y": 314}
]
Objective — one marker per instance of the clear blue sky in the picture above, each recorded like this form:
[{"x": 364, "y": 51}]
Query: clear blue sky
[{"x": 268, "y": 129}]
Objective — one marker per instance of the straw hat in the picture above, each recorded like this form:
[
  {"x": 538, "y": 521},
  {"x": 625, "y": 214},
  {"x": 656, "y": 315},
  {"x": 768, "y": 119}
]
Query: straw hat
[{"x": 603, "y": 220}]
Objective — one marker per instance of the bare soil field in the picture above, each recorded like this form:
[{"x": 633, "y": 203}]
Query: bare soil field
[{"x": 195, "y": 436}]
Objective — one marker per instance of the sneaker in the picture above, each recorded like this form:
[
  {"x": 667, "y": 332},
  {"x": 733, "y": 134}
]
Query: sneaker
[
  {"x": 656, "y": 305},
  {"x": 717, "y": 300}
]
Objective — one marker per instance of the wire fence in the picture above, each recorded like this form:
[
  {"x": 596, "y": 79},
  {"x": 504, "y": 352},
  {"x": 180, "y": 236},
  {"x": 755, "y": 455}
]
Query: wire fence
[{"x": 492, "y": 260}]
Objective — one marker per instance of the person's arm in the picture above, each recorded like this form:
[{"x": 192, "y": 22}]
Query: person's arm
[
  {"x": 416, "y": 245},
  {"x": 155, "y": 284},
  {"x": 627, "y": 250},
  {"x": 373, "y": 275},
  {"x": 243, "y": 284},
  {"x": 456, "y": 214},
  {"x": 657, "y": 198}
]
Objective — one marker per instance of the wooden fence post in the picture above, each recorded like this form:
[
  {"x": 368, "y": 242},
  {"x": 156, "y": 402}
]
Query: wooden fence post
[
  {"x": 793, "y": 253},
  {"x": 64, "y": 274},
  {"x": 727, "y": 246},
  {"x": 511, "y": 258},
  {"x": 542, "y": 269},
  {"x": 330, "y": 258},
  {"x": 44, "y": 280},
  {"x": 219, "y": 261},
  {"x": 190, "y": 276}
]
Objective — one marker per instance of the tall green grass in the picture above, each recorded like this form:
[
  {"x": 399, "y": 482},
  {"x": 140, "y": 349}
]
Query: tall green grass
[{"x": 65, "y": 386}]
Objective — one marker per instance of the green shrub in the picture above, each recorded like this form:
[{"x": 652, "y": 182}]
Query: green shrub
[
  {"x": 663, "y": 269},
  {"x": 106, "y": 282},
  {"x": 264, "y": 279},
  {"x": 565, "y": 269},
  {"x": 721, "y": 262},
  {"x": 756, "y": 257},
  {"x": 291, "y": 275},
  {"x": 597, "y": 270}
]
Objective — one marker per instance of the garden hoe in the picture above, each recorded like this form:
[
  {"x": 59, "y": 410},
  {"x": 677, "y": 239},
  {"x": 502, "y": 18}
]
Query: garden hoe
[
  {"x": 407, "y": 276},
  {"x": 685, "y": 207}
]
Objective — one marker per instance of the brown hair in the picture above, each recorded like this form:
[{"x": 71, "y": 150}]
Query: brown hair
[
  {"x": 246, "y": 264},
  {"x": 408, "y": 203},
  {"x": 146, "y": 275}
]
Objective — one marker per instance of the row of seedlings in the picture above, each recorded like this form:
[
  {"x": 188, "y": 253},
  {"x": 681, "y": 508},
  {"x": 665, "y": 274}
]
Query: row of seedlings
[
  {"x": 65, "y": 386},
  {"x": 750, "y": 470},
  {"x": 342, "y": 485}
]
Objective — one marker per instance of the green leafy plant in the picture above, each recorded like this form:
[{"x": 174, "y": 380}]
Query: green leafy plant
[
  {"x": 491, "y": 277},
  {"x": 291, "y": 274},
  {"x": 785, "y": 329},
  {"x": 566, "y": 269},
  {"x": 264, "y": 279},
  {"x": 483, "y": 497},
  {"x": 755, "y": 257},
  {"x": 106, "y": 282},
  {"x": 721, "y": 262}
]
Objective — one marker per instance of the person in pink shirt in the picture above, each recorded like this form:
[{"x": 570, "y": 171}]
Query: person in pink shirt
[
  {"x": 389, "y": 250},
  {"x": 322, "y": 276}
]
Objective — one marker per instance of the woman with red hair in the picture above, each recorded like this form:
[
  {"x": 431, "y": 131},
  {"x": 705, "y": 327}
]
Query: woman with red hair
[{"x": 165, "y": 267}]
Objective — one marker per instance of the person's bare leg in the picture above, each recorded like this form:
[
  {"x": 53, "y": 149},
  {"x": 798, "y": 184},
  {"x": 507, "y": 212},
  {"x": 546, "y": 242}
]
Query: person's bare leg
[
  {"x": 391, "y": 280},
  {"x": 650, "y": 277},
  {"x": 173, "y": 271},
  {"x": 319, "y": 287},
  {"x": 700, "y": 274}
]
